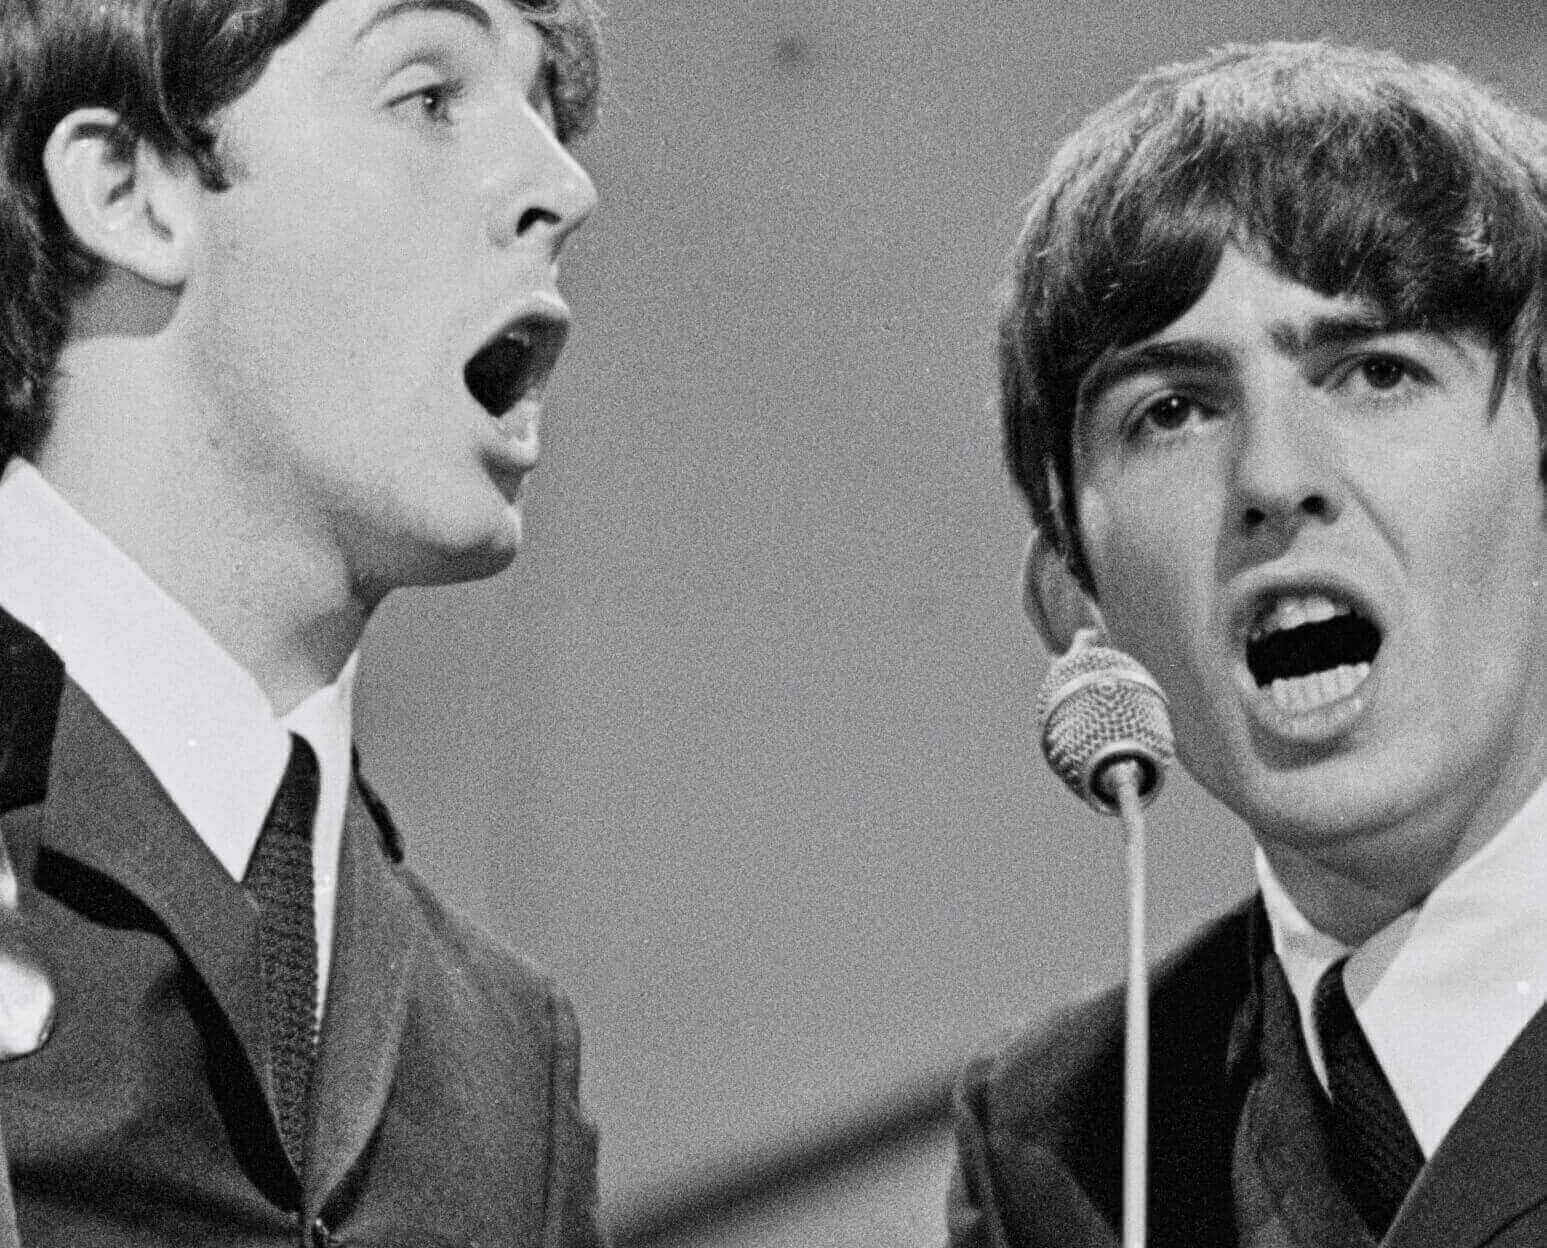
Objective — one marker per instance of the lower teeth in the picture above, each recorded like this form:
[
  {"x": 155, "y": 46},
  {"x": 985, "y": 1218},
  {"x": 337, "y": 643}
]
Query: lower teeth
[{"x": 1309, "y": 693}]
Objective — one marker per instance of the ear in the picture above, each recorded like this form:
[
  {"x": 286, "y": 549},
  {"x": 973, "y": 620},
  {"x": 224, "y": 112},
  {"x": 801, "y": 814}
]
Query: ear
[
  {"x": 1052, "y": 599},
  {"x": 124, "y": 202}
]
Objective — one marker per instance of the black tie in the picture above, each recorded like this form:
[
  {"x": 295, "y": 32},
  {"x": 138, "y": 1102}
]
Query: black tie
[
  {"x": 280, "y": 880},
  {"x": 1375, "y": 1155}
]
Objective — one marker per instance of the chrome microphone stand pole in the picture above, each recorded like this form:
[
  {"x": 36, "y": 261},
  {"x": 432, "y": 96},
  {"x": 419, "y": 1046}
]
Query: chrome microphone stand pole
[{"x": 1125, "y": 780}]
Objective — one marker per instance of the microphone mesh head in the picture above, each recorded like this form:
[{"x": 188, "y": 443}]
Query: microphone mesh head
[{"x": 1098, "y": 706}]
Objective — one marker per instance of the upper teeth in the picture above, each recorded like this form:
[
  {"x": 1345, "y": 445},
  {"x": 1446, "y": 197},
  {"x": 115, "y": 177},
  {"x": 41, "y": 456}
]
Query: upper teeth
[{"x": 1296, "y": 610}]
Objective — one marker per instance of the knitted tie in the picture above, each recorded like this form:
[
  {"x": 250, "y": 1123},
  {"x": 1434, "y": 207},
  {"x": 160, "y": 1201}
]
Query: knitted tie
[
  {"x": 1375, "y": 1156},
  {"x": 279, "y": 877}
]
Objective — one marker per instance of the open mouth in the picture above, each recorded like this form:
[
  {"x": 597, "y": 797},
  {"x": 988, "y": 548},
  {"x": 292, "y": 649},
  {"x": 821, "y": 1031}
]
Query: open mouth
[
  {"x": 1309, "y": 650},
  {"x": 515, "y": 363}
]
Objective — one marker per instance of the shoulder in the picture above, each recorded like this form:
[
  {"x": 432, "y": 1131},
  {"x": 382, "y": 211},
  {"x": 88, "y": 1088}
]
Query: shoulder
[
  {"x": 467, "y": 960},
  {"x": 463, "y": 953},
  {"x": 531, "y": 1011},
  {"x": 1042, "y": 1110},
  {"x": 493, "y": 1010},
  {"x": 1050, "y": 1078}
]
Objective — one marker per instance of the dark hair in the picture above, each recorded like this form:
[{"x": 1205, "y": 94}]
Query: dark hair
[
  {"x": 166, "y": 68},
  {"x": 1352, "y": 172}
]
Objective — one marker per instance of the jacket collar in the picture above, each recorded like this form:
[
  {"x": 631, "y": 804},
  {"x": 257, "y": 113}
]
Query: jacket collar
[
  {"x": 104, "y": 821},
  {"x": 1284, "y": 1189},
  {"x": 1243, "y": 1053},
  {"x": 101, "y": 809}
]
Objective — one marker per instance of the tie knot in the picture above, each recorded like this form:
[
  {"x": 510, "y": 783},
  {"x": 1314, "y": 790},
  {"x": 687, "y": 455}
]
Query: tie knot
[
  {"x": 1336, "y": 1022},
  {"x": 295, "y": 802}
]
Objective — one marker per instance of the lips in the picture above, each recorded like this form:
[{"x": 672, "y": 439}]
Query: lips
[
  {"x": 1308, "y": 653},
  {"x": 514, "y": 363}
]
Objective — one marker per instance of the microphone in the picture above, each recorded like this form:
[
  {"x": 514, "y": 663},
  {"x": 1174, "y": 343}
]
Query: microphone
[
  {"x": 1098, "y": 708},
  {"x": 1106, "y": 734}
]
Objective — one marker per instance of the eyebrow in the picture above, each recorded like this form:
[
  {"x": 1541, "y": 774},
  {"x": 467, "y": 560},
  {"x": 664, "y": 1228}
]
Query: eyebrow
[
  {"x": 469, "y": 9},
  {"x": 1112, "y": 368},
  {"x": 1323, "y": 332},
  {"x": 1291, "y": 338}
]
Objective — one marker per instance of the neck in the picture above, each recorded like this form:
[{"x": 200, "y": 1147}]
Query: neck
[
  {"x": 143, "y": 465},
  {"x": 1342, "y": 903}
]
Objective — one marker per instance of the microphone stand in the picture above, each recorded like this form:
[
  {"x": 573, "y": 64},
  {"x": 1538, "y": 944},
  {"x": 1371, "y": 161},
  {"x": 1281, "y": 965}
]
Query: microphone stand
[
  {"x": 1105, "y": 732},
  {"x": 1124, "y": 779}
]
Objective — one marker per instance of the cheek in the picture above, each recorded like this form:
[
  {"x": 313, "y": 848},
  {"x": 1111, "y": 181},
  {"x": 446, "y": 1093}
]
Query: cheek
[
  {"x": 1487, "y": 590},
  {"x": 337, "y": 295},
  {"x": 1152, "y": 566},
  {"x": 1474, "y": 524},
  {"x": 1140, "y": 570}
]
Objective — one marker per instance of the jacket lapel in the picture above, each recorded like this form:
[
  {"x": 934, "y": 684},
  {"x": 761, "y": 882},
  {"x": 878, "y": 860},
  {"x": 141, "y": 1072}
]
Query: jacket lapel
[
  {"x": 105, "y": 810},
  {"x": 101, "y": 807},
  {"x": 1285, "y": 1195},
  {"x": 103, "y": 820},
  {"x": 1489, "y": 1169},
  {"x": 373, "y": 964}
]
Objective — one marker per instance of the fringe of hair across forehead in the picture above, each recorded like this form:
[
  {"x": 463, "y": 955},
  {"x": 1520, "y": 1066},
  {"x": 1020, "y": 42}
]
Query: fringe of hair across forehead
[{"x": 1406, "y": 187}]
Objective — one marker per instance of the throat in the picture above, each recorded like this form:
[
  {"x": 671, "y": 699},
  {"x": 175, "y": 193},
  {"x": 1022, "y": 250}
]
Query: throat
[{"x": 1340, "y": 899}]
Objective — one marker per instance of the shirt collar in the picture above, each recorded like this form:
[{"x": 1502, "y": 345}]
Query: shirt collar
[
  {"x": 199, "y": 720},
  {"x": 1444, "y": 989}
]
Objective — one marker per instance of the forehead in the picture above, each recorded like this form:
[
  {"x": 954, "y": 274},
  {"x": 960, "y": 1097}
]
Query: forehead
[
  {"x": 1246, "y": 304},
  {"x": 1247, "y": 291}
]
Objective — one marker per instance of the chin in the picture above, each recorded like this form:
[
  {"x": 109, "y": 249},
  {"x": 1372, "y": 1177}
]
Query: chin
[
  {"x": 1334, "y": 802},
  {"x": 474, "y": 563},
  {"x": 449, "y": 558}
]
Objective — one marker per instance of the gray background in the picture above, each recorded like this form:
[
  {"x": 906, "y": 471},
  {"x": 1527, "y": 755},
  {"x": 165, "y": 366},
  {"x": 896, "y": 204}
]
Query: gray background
[{"x": 743, "y": 746}]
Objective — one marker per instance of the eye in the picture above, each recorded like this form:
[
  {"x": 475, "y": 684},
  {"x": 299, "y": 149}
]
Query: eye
[
  {"x": 1165, "y": 414},
  {"x": 1382, "y": 372},
  {"x": 1381, "y": 376},
  {"x": 432, "y": 103}
]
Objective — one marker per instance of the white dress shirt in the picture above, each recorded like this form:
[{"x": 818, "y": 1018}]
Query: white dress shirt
[
  {"x": 198, "y": 719},
  {"x": 1444, "y": 989}
]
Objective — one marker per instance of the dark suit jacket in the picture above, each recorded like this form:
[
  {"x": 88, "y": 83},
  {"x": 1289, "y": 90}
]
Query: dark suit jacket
[
  {"x": 1237, "y": 1148},
  {"x": 445, "y": 1106}
]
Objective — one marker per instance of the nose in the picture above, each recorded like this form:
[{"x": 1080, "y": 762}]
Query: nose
[
  {"x": 1284, "y": 469},
  {"x": 542, "y": 195}
]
